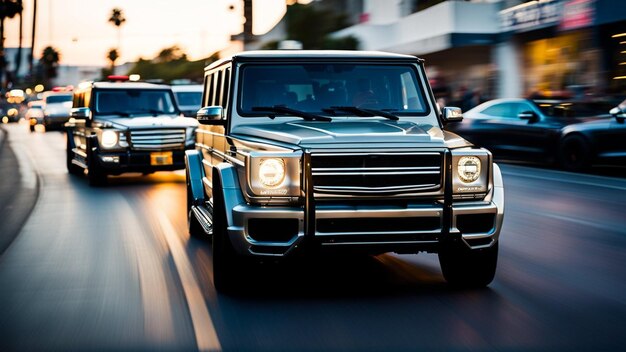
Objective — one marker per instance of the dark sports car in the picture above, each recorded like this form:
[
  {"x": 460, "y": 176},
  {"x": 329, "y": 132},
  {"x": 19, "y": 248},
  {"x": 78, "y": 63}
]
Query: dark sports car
[{"x": 574, "y": 135}]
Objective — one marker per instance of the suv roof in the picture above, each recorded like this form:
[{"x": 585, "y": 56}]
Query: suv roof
[
  {"x": 314, "y": 54},
  {"x": 129, "y": 85}
]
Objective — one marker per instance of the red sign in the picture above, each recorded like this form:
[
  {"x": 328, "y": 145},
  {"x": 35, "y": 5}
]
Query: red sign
[{"x": 577, "y": 14}]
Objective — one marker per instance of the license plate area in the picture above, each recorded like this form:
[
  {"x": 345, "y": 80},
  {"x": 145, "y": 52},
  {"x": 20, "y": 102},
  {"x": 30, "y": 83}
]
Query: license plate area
[{"x": 161, "y": 158}]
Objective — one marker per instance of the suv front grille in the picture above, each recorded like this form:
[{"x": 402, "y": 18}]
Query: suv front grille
[
  {"x": 376, "y": 173},
  {"x": 157, "y": 139}
]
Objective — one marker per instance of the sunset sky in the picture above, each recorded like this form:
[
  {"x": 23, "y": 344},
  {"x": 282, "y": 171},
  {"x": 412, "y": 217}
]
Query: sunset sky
[{"x": 80, "y": 30}]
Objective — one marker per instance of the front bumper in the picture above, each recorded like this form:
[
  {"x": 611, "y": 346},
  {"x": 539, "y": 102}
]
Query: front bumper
[
  {"x": 409, "y": 228},
  {"x": 137, "y": 161},
  {"x": 55, "y": 121}
]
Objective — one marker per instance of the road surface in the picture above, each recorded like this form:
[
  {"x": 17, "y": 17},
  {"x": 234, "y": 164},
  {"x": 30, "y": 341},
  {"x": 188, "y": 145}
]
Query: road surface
[{"x": 114, "y": 269}]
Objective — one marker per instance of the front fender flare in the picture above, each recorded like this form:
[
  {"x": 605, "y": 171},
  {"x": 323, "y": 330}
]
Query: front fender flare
[{"x": 225, "y": 175}]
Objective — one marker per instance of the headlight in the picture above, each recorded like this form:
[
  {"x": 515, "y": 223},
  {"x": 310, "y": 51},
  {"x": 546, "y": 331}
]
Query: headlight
[
  {"x": 468, "y": 169},
  {"x": 109, "y": 138},
  {"x": 273, "y": 175},
  {"x": 272, "y": 172}
]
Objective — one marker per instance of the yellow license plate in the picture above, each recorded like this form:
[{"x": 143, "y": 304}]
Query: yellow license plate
[{"x": 161, "y": 158}]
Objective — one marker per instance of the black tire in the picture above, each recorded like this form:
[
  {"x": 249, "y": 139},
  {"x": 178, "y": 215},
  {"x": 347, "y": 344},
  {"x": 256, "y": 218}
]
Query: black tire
[
  {"x": 72, "y": 168},
  {"x": 227, "y": 264},
  {"x": 193, "y": 225},
  {"x": 32, "y": 128},
  {"x": 574, "y": 153},
  {"x": 468, "y": 268},
  {"x": 95, "y": 175}
]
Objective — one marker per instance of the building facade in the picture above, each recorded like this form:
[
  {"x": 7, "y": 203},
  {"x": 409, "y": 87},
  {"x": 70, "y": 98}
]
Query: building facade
[{"x": 487, "y": 49}]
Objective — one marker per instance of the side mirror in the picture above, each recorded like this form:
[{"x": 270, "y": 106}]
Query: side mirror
[
  {"x": 618, "y": 113},
  {"x": 452, "y": 114},
  {"x": 528, "y": 115},
  {"x": 211, "y": 115},
  {"x": 80, "y": 113}
]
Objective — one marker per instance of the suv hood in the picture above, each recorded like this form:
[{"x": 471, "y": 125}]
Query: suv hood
[
  {"x": 147, "y": 122},
  {"x": 304, "y": 133}
]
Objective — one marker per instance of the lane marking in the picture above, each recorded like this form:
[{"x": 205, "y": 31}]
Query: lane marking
[
  {"x": 576, "y": 221},
  {"x": 158, "y": 321},
  {"x": 206, "y": 336}
]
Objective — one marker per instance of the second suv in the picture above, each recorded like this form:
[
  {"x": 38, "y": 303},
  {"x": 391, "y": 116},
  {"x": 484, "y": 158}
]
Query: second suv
[{"x": 123, "y": 126}]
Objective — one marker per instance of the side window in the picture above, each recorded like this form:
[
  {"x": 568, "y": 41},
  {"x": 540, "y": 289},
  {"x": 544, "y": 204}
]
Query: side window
[
  {"x": 502, "y": 111},
  {"x": 86, "y": 98},
  {"x": 226, "y": 90},
  {"x": 522, "y": 107},
  {"x": 77, "y": 102},
  {"x": 217, "y": 100},
  {"x": 210, "y": 90}
]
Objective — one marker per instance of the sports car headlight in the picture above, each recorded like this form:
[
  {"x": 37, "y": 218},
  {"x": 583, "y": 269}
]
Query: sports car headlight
[
  {"x": 468, "y": 169},
  {"x": 109, "y": 138},
  {"x": 272, "y": 172}
]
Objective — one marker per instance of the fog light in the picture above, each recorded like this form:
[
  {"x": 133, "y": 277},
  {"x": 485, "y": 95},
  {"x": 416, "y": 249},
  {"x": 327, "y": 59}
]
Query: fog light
[{"x": 110, "y": 159}]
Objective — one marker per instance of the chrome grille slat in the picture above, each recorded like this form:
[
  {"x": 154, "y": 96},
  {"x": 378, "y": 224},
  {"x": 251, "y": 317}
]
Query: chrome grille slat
[
  {"x": 157, "y": 139},
  {"x": 376, "y": 173}
]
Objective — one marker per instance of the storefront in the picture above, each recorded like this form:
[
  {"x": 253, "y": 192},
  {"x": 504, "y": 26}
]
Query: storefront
[{"x": 564, "y": 48}]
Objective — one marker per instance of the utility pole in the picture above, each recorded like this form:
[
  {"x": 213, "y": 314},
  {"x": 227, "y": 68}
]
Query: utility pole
[{"x": 31, "y": 68}]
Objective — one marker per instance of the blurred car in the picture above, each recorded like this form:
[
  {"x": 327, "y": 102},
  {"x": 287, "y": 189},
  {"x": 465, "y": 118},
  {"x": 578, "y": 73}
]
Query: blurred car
[
  {"x": 573, "y": 135},
  {"x": 189, "y": 98},
  {"x": 57, "y": 109},
  {"x": 34, "y": 114}
]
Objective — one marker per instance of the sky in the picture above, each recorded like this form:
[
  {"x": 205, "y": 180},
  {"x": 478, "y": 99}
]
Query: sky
[{"x": 80, "y": 31}]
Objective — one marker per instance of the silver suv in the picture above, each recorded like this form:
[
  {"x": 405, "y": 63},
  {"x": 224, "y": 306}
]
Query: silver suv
[{"x": 341, "y": 150}]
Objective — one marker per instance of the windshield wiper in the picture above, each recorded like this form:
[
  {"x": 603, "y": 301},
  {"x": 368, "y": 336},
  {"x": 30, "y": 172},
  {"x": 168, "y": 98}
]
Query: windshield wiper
[
  {"x": 289, "y": 111},
  {"x": 153, "y": 112},
  {"x": 121, "y": 113},
  {"x": 363, "y": 112}
]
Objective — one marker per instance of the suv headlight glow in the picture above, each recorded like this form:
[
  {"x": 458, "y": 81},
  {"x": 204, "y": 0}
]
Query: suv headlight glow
[
  {"x": 272, "y": 172},
  {"x": 468, "y": 168},
  {"x": 109, "y": 138},
  {"x": 471, "y": 169},
  {"x": 273, "y": 175}
]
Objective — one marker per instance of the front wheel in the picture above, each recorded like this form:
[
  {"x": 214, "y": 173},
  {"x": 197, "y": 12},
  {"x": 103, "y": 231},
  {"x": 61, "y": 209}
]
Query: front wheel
[
  {"x": 574, "y": 153},
  {"x": 468, "y": 268},
  {"x": 227, "y": 264}
]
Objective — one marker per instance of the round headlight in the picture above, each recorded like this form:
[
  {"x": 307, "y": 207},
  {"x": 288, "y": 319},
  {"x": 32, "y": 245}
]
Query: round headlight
[
  {"x": 469, "y": 168},
  {"x": 109, "y": 138},
  {"x": 272, "y": 172}
]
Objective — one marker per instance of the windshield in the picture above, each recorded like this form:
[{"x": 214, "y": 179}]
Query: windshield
[
  {"x": 52, "y": 99},
  {"x": 316, "y": 88},
  {"x": 127, "y": 102},
  {"x": 189, "y": 98}
]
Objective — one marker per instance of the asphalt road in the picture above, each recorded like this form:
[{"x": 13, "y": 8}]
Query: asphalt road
[{"x": 114, "y": 269}]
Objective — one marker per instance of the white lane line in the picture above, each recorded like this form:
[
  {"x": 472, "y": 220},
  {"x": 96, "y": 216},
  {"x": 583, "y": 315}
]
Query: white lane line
[
  {"x": 565, "y": 180},
  {"x": 158, "y": 321},
  {"x": 206, "y": 336},
  {"x": 26, "y": 169}
]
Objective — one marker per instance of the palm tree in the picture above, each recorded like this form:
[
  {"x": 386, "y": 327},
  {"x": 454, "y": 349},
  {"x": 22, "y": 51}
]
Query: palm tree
[
  {"x": 50, "y": 58},
  {"x": 8, "y": 9},
  {"x": 117, "y": 18},
  {"x": 113, "y": 56},
  {"x": 18, "y": 55},
  {"x": 32, "y": 41}
]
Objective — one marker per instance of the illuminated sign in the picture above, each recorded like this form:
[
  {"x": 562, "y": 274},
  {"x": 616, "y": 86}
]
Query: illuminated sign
[{"x": 530, "y": 16}]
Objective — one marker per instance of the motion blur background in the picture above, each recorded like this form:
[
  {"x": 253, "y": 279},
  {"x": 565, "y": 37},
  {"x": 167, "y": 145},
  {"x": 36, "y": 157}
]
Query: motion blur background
[{"x": 474, "y": 50}]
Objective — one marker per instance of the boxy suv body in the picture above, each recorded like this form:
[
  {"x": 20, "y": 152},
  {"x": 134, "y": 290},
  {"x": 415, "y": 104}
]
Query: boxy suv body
[
  {"x": 342, "y": 150},
  {"x": 122, "y": 126}
]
